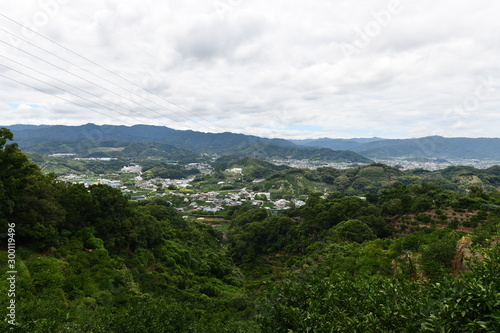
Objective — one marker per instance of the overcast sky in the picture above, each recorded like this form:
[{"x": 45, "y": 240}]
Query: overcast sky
[{"x": 273, "y": 68}]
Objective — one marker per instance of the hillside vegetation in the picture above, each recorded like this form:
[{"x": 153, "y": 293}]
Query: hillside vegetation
[
  {"x": 287, "y": 182},
  {"x": 154, "y": 141},
  {"x": 89, "y": 260}
]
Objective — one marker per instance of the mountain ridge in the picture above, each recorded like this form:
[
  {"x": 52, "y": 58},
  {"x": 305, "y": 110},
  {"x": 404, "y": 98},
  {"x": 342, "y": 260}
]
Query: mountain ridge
[
  {"x": 425, "y": 147},
  {"x": 362, "y": 150},
  {"x": 91, "y": 136}
]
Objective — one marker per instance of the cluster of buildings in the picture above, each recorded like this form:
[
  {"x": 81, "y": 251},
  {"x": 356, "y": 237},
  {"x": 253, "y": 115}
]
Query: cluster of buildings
[
  {"x": 432, "y": 165},
  {"x": 155, "y": 183},
  {"x": 107, "y": 159},
  {"x": 216, "y": 201},
  {"x": 202, "y": 167},
  {"x": 205, "y": 201},
  {"x": 83, "y": 179},
  {"x": 312, "y": 165}
]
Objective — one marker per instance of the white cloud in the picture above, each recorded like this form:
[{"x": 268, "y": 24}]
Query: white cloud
[{"x": 276, "y": 69}]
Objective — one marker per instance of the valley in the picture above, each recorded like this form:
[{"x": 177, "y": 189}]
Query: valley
[{"x": 206, "y": 242}]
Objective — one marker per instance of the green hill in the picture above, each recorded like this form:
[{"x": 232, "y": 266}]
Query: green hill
[
  {"x": 88, "y": 149},
  {"x": 166, "y": 141},
  {"x": 418, "y": 255}
]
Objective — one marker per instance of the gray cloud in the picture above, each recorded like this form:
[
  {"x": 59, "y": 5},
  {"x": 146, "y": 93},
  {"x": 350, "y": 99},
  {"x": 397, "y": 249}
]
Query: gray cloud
[
  {"x": 266, "y": 68},
  {"x": 211, "y": 37}
]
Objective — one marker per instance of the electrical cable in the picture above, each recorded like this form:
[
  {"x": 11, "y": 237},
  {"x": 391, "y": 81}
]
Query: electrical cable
[
  {"x": 91, "y": 82},
  {"x": 65, "y": 99},
  {"x": 105, "y": 69},
  {"x": 75, "y": 87},
  {"x": 66, "y": 91}
]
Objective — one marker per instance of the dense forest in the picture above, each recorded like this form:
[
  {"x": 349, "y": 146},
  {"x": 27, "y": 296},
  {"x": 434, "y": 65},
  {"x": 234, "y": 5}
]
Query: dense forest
[{"x": 415, "y": 256}]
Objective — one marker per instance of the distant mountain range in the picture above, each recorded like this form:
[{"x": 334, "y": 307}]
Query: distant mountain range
[
  {"x": 424, "y": 148},
  {"x": 50, "y": 139},
  {"x": 336, "y": 144},
  {"x": 91, "y": 140}
]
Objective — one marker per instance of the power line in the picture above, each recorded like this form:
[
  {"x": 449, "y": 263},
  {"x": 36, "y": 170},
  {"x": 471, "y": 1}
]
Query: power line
[
  {"x": 91, "y": 82},
  {"x": 126, "y": 40},
  {"x": 78, "y": 76},
  {"x": 57, "y": 96},
  {"x": 107, "y": 70},
  {"x": 98, "y": 85},
  {"x": 66, "y": 91},
  {"x": 75, "y": 87}
]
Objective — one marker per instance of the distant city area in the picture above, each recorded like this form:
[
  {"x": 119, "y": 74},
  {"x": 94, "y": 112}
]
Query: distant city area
[
  {"x": 431, "y": 165},
  {"x": 400, "y": 163}
]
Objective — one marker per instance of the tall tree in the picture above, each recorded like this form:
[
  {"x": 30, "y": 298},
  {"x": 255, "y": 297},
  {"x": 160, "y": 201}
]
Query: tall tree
[{"x": 28, "y": 197}]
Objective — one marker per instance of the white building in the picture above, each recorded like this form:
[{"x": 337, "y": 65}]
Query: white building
[
  {"x": 132, "y": 169},
  {"x": 235, "y": 170}
]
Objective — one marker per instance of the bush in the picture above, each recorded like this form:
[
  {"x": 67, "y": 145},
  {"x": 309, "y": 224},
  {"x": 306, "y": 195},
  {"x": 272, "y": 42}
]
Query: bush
[
  {"x": 437, "y": 256},
  {"x": 353, "y": 231},
  {"x": 424, "y": 218}
]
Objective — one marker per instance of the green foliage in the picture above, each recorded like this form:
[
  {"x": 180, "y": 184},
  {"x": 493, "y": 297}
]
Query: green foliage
[
  {"x": 353, "y": 231},
  {"x": 313, "y": 301},
  {"x": 90, "y": 261},
  {"x": 269, "y": 235},
  {"x": 339, "y": 303},
  {"x": 438, "y": 256},
  {"x": 164, "y": 170},
  {"x": 29, "y": 199}
]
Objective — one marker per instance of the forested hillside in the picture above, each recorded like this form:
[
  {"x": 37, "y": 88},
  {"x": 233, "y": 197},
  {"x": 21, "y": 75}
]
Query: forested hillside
[
  {"x": 138, "y": 140},
  {"x": 287, "y": 182},
  {"x": 413, "y": 257}
]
